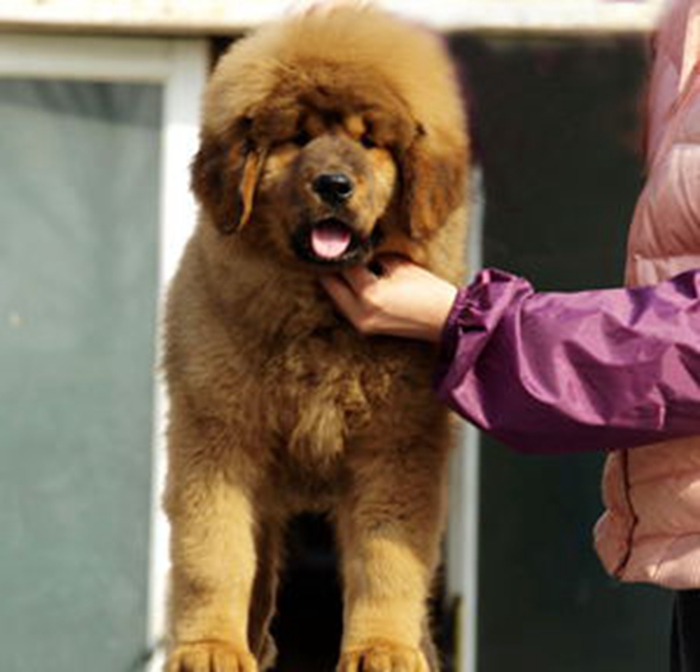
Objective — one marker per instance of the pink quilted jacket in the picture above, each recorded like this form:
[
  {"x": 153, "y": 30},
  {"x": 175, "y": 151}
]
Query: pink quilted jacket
[
  {"x": 554, "y": 372},
  {"x": 651, "y": 529}
]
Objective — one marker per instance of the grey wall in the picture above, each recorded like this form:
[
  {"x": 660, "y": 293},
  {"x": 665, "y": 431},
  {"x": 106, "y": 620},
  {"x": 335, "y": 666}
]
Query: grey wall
[{"x": 78, "y": 263}]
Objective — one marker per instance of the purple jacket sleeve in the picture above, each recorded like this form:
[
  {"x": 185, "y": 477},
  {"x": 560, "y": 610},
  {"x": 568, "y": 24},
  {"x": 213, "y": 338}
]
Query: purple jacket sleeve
[{"x": 565, "y": 372}]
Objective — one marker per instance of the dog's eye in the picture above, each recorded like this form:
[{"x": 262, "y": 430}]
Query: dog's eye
[
  {"x": 367, "y": 141},
  {"x": 301, "y": 138}
]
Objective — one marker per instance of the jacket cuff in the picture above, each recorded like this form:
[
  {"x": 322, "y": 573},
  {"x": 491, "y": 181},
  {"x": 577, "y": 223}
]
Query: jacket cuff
[{"x": 474, "y": 317}]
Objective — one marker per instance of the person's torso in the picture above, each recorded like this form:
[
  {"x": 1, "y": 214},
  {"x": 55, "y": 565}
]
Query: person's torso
[{"x": 651, "y": 529}]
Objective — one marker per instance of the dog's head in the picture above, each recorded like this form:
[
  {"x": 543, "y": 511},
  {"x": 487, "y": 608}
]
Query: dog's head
[{"x": 319, "y": 137}]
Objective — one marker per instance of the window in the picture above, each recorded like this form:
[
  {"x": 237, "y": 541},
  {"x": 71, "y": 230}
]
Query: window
[{"x": 96, "y": 139}]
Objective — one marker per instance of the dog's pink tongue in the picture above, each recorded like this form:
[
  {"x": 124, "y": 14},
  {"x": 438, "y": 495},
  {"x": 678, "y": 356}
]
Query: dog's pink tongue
[{"x": 330, "y": 241}]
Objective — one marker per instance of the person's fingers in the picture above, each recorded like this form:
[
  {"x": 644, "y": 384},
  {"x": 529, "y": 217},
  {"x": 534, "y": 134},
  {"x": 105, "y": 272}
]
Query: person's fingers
[
  {"x": 343, "y": 296},
  {"x": 389, "y": 262},
  {"x": 360, "y": 278},
  {"x": 388, "y": 265}
]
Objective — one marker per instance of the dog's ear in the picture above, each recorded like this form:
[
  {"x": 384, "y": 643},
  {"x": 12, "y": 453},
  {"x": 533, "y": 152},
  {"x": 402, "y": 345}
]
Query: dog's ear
[
  {"x": 225, "y": 175},
  {"x": 433, "y": 182}
]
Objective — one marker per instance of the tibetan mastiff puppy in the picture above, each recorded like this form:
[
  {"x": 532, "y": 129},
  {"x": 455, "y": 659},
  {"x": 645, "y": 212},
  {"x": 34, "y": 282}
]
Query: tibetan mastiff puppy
[{"x": 327, "y": 139}]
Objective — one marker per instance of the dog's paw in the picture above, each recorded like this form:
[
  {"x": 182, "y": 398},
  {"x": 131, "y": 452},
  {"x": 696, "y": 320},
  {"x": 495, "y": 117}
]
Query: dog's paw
[
  {"x": 210, "y": 657},
  {"x": 381, "y": 656}
]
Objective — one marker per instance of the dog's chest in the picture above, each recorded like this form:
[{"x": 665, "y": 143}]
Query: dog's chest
[{"x": 322, "y": 389}]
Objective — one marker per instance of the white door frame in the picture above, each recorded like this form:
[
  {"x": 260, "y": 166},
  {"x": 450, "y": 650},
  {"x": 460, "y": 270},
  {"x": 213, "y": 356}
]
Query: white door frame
[
  {"x": 462, "y": 543},
  {"x": 212, "y": 16},
  {"x": 180, "y": 67}
]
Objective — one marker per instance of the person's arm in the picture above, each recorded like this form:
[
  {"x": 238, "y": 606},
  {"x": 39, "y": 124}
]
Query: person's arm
[{"x": 564, "y": 372}]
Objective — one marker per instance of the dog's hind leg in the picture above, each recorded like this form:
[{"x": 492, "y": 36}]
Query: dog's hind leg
[{"x": 262, "y": 606}]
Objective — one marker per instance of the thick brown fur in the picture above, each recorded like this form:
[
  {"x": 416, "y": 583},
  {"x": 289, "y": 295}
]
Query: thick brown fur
[{"x": 277, "y": 404}]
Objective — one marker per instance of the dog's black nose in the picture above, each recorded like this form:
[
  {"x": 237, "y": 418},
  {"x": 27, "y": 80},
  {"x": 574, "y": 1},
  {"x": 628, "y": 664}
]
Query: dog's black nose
[{"x": 333, "y": 188}]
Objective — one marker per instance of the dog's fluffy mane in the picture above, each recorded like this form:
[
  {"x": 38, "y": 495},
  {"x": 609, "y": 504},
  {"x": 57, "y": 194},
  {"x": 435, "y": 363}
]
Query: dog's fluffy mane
[
  {"x": 410, "y": 61},
  {"x": 345, "y": 59}
]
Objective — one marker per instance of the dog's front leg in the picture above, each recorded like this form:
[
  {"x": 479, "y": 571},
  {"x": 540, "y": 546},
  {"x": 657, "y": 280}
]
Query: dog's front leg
[
  {"x": 213, "y": 566},
  {"x": 389, "y": 527}
]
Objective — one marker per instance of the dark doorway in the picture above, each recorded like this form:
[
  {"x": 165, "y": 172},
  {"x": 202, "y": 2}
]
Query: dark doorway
[{"x": 557, "y": 127}]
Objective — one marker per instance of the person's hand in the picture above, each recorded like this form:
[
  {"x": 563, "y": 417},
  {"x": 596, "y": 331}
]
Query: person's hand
[{"x": 404, "y": 300}]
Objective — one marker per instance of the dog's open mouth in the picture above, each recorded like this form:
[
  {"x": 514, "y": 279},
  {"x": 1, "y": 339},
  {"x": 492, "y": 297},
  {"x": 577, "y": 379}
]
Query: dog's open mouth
[
  {"x": 331, "y": 242},
  {"x": 330, "y": 239}
]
